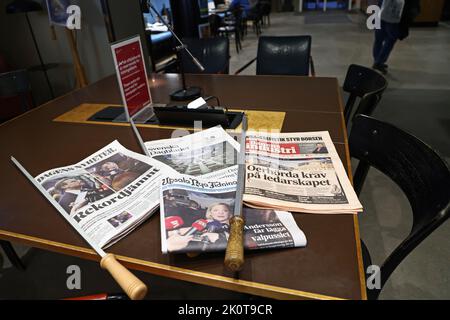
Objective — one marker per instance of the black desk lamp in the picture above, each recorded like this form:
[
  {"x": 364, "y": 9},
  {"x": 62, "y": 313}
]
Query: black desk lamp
[
  {"x": 25, "y": 6},
  {"x": 185, "y": 93}
]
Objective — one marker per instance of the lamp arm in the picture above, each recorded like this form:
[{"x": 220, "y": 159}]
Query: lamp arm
[{"x": 183, "y": 46}]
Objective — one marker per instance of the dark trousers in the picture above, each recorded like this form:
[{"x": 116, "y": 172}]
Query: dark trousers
[{"x": 385, "y": 39}]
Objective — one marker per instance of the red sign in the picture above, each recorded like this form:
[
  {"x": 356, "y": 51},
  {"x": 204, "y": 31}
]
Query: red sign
[{"x": 131, "y": 74}]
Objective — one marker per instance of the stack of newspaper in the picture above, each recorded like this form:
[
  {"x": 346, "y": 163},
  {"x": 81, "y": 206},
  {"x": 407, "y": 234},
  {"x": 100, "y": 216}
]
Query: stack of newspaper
[
  {"x": 299, "y": 172},
  {"x": 198, "y": 193},
  {"x": 194, "y": 179}
]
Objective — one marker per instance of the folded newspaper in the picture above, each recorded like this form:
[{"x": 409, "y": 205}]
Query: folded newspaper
[
  {"x": 108, "y": 194},
  {"x": 195, "y": 216},
  {"x": 299, "y": 172},
  {"x": 209, "y": 154}
]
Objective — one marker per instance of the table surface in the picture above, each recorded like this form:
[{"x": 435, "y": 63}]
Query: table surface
[{"x": 329, "y": 267}]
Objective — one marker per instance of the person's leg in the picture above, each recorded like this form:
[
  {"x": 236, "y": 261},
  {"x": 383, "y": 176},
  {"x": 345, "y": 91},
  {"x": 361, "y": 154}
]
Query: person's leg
[
  {"x": 378, "y": 43},
  {"x": 391, "y": 30}
]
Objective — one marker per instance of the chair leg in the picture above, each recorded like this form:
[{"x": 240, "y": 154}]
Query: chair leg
[
  {"x": 360, "y": 176},
  {"x": 238, "y": 40},
  {"x": 12, "y": 255}
]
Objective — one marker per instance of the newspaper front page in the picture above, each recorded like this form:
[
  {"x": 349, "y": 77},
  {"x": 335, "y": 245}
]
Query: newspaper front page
[
  {"x": 209, "y": 154},
  {"x": 195, "y": 216},
  {"x": 107, "y": 194},
  {"x": 299, "y": 172}
]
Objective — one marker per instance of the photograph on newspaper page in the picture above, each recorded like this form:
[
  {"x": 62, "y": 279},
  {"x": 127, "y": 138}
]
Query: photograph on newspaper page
[
  {"x": 195, "y": 216},
  {"x": 298, "y": 172},
  {"x": 209, "y": 153},
  {"x": 108, "y": 193}
]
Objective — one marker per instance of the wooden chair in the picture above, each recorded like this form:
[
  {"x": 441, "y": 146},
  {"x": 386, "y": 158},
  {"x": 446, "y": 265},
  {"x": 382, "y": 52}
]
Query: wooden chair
[{"x": 418, "y": 170}]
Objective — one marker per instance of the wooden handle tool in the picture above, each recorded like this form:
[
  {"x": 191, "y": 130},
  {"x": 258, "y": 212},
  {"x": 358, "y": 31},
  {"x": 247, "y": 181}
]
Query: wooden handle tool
[
  {"x": 234, "y": 256},
  {"x": 131, "y": 285}
]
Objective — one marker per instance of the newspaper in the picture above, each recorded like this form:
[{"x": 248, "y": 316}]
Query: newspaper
[
  {"x": 195, "y": 216},
  {"x": 210, "y": 154},
  {"x": 299, "y": 172},
  {"x": 108, "y": 194}
]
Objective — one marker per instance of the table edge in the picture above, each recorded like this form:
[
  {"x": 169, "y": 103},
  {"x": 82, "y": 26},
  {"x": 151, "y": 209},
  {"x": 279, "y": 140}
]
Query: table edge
[
  {"x": 203, "y": 278},
  {"x": 362, "y": 278}
]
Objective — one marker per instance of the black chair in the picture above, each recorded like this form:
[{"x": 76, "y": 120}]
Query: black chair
[
  {"x": 234, "y": 18},
  {"x": 255, "y": 15},
  {"x": 218, "y": 28},
  {"x": 12, "y": 255},
  {"x": 15, "y": 86},
  {"x": 266, "y": 9},
  {"x": 366, "y": 84},
  {"x": 418, "y": 170},
  {"x": 213, "y": 54},
  {"x": 290, "y": 55}
]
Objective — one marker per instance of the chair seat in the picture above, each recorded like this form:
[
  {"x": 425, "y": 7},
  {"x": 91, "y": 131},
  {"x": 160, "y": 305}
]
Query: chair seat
[
  {"x": 227, "y": 29},
  {"x": 230, "y": 22}
]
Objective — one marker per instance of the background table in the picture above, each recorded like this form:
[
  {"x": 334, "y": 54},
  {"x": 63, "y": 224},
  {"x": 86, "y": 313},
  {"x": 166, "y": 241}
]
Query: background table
[{"x": 329, "y": 267}]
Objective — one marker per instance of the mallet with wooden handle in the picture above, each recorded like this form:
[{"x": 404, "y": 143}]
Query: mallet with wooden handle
[
  {"x": 133, "y": 287},
  {"x": 234, "y": 255}
]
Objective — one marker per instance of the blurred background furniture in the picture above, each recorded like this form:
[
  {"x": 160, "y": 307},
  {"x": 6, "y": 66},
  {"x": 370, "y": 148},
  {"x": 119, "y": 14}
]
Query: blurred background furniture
[
  {"x": 255, "y": 15},
  {"x": 430, "y": 12},
  {"x": 26, "y": 6},
  {"x": 324, "y": 4},
  {"x": 219, "y": 29},
  {"x": 160, "y": 40},
  {"x": 15, "y": 94},
  {"x": 213, "y": 54},
  {"x": 12, "y": 255},
  {"x": 366, "y": 84},
  {"x": 102, "y": 296},
  {"x": 287, "y": 55},
  {"x": 266, "y": 9},
  {"x": 422, "y": 175}
]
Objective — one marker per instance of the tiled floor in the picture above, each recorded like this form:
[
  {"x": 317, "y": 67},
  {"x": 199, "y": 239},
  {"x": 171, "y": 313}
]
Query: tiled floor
[{"x": 418, "y": 100}]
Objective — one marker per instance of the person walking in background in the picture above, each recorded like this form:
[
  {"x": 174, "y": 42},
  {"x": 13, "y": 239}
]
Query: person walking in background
[
  {"x": 396, "y": 17},
  {"x": 244, "y": 4}
]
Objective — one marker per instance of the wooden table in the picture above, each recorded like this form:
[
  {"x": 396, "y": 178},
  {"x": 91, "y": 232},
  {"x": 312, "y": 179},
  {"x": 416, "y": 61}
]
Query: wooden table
[{"x": 329, "y": 267}]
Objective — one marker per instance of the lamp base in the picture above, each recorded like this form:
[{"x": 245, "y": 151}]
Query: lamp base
[{"x": 186, "y": 94}]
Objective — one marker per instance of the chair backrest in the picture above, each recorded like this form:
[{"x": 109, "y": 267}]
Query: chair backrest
[
  {"x": 215, "y": 21},
  {"x": 288, "y": 55},
  {"x": 418, "y": 170},
  {"x": 237, "y": 13},
  {"x": 15, "y": 94},
  {"x": 366, "y": 84},
  {"x": 14, "y": 83},
  {"x": 213, "y": 54},
  {"x": 266, "y": 7}
]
